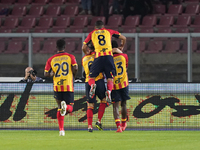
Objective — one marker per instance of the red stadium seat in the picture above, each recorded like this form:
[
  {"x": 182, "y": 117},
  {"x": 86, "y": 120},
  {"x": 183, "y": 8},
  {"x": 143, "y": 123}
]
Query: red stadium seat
[
  {"x": 114, "y": 21},
  {"x": 62, "y": 22},
  {"x": 27, "y": 22},
  {"x": 14, "y": 47},
  {"x": 182, "y": 30},
  {"x": 184, "y": 48},
  {"x": 71, "y": 46},
  {"x": 175, "y": 10},
  {"x": 79, "y": 49},
  {"x": 24, "y": 1},
  {"x": 74, "y": 30},
  {"x": 36, "y": 10},
  {"x": 5, "y": 30},
  {"x": 7, "y": 1},
  {"x": 192, "y": 9},
  {"x": 38, "y": 30},
  {"x": 53, "y": 10},
  {"x": 70, "y": 10},
  {"x": 80, "y": 22},
  {"x": 74, "y": 1},
  {"x": 45, "y": 23},
  {"x": 2, "y": 46},
  {"x": 154, "y": 47},
  {"x": 57, "y": 2},
  {"x": 159, "y": 9},
  {"x": 43, "y": 2},
  {"x": 164, "y": 30},
  {"x": 131, "y": 21},
  {"x": 196, "y": 22},
  {"x": 10, "y": 22},
  {"x": 129, "y": 30},
  {"x": 142, "y": 47},
  {"x": 18, "y": 10},
  {"x": 36, "y": 46},
  {"x": 171, "y": 46},
  {"x": 183, "y": 21},
  {"x": 148, "y": 21},
  {"x": 49, "y": 46},
  {"x": 22, "y": 30},
  {"x": 58, "y": 30},
  {"x": 165, "y": 21}
]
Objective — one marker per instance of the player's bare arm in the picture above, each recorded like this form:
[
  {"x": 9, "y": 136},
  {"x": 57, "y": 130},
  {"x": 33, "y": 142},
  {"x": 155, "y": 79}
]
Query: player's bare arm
[
  {"x": 49, "y": 74},
  {"x": 116, "y": 50},
  {"x": 84, "y": 49},
  {"x": 123, "y": 42},
  {"x": 74, "y": 70}
]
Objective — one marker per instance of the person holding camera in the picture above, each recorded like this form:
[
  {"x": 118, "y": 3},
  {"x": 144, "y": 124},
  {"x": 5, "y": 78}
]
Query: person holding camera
[{"x": 30, "y": 76}]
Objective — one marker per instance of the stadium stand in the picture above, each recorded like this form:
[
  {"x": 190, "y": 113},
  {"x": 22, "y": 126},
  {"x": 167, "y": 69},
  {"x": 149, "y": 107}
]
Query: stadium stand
[{"x": 36, "y": 10}]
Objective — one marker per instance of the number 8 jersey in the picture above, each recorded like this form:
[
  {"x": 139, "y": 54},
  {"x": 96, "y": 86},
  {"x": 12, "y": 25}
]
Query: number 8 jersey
[
  {"x": 61, "y": 64},
  {"x": 121, "y": 64}
]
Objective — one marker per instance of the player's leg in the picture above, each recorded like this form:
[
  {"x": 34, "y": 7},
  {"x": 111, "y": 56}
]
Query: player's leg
[
  {"x": 116, "y": 116},
  {"x": 124, "y": 95},
  {"x": 95, "y": 69},
  {"x": 116, "y": 102},
  {"x": 110, "y": 72},
  {"x": 124, "y": 115},
  {"x": 90, "y": 108},
  {"x": 60, "y": 118}
]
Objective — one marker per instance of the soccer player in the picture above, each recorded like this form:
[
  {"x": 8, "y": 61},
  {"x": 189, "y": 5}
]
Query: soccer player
[
  {"x": 63, "y": 67},
  {"x": 103, "y": 62},
  {"x": 87, "y": 61},
  {"x": 120, "y": 89}
]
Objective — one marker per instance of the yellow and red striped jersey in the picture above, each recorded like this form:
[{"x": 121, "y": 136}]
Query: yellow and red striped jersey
[
  {"x": 101, "y": 39},
  {"x": 121, "y": 64},
  {"x": 87, "y": 61},
  {"x": 61, "y": 64}
]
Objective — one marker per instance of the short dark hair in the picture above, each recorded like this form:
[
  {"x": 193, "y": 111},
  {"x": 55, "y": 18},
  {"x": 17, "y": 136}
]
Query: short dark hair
[
  {"x": 114, "y": 44},
  {"x": 60, "y": 44},
  {"x": 99, "y": 24}
]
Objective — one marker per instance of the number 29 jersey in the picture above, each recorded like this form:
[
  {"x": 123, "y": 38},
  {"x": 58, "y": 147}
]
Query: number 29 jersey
[
  {"x": 121, "y": 64},
  {"x": 61, "y": 64}
]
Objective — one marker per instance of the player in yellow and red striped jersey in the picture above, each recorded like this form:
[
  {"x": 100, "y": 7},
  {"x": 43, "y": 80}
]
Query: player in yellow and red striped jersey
[
  {"x": 103, "y": 62},
  {"x": 120, "y": 88},
  {"x": 63, "y": 67}
]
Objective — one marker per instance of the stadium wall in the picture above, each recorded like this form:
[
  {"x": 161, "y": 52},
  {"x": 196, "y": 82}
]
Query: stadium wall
[{"x": 152, "y": 106}]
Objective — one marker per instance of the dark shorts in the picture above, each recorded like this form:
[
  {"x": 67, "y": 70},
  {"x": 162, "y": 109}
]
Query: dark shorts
[
  {"x": 103, "y": 64},
  {"x": 120, "y": 95},
  {"x": 100, "y": 91},
  {"x": 68, "y": 97}
]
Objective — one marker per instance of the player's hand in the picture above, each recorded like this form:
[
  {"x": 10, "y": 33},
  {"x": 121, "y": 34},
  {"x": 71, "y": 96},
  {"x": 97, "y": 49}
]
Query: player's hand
[
  {"x": 27, "y": 75},
  {"x": 121, "y": 48},
  {"x": 51, "y": 73}
]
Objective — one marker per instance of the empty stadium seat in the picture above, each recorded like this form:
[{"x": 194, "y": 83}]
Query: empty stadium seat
[
  {"x": 53, "y": 10},
  {"x": 58, "y": 30},
  {"x": 45, "y": 23},
  {"x": 36, "y": 46},
  {"x": 7, "y": 1},
  {"x": 79, "y": 22},
  {"x": 171, "y": 46},
  {"x": 154, "y": 47},
  {"x": 148, "y": 21},
  {"x": 36, "y": 10},
  {"x": 91, "y": 26},
  {"x": 14, "y": 47},
  {"x": 2, "y": 46},
  {"x": 71, "y": 46},
  {"x": 27, "y": 22},
  {"x": 183, "y": 21},
  {"x": 5, "y": 30},
  {"x": 163, "y": 30},
  {"x": 182, "y": 30},
  {"x": 39, "y": 30},
  {"x": 57, "y": 2},
  {"x": 49, "y": 46},
  {"x": 165, "y": 21},
  {"x": 174, "y": 10},
  {"x": 129, "y": 30},
  {"x": 192, "y": 9},
  {"x": 74, "y": 1},
  {"x": 184, "y": 48},
  {"x": 159, "y": 9},
  {"x": 114, "y": 21},
  {"x": 18, "y": 10},
  {"x": 74, "y": 30},
  {"x": 10, "y": 22},
  {"x": 40, "y": 2},
  {"x": 79, "y": 49},
  {"x": 131, "y": 21},
  {"x": 22, "y": 30},
  {"x": 70, "y": 10},
  {"x": 24, "y": 1},
  {"x": 196, "y": 22},
  {"x": 62, "y": 22},
  {"x": 142, "y": 47}
]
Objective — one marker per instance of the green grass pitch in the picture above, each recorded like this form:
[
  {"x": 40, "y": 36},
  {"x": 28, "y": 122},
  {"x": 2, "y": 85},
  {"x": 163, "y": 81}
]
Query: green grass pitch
[{"x": 99, "y": 140}]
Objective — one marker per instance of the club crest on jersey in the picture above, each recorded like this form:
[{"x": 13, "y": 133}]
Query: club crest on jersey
[
  {"x": 118, "y": 80},
  {"x": 61, "y": 82},
  {"x": 104, "y": 50}
]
